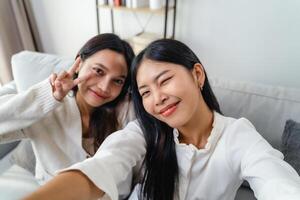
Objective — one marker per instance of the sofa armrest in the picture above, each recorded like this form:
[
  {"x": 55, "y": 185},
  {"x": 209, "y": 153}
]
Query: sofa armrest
[
  {"x": 9, "y": 88},
  {"x": 244, "y": 193},
  {"x": 7, "y": 147}
]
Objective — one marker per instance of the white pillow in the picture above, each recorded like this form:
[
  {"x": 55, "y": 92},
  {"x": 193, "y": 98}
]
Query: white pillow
[{"x": 30, "y": 67}]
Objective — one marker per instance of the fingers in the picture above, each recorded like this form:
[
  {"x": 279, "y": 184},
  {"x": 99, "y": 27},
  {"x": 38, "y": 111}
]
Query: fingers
[
  {"x": 75, "y": 66},
  {"x": 53, "y": 78},
  {"x": 82, "y": 78},
  {"x": 58, "y": 87},
  {"x": 62, "y": 75}
]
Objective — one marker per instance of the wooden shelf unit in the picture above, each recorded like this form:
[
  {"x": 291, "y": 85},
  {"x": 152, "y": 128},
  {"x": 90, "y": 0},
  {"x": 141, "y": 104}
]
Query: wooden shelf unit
[
  {"x": 165, "y": 10},
  {"x": 141, "y": 9}
]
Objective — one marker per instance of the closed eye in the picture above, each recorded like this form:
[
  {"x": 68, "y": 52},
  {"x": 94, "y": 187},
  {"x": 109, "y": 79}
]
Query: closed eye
[
  {"x": 145, "y": 93},
  {"x": 165, "y": 81}
]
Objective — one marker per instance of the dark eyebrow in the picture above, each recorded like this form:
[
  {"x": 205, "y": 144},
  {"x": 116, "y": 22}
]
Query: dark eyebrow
[
  {"x": 101, "y": 65},
  {"x": 157, "y": 77},
  {"x": 106, "y": 69}
]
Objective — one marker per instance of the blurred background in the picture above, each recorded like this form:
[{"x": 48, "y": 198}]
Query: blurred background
[{"x": 247, "y": 40}]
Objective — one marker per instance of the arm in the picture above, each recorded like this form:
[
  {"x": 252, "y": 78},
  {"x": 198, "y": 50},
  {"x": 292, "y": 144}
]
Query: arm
[
  {"x": 19, "y": 110},
  {"x": 110, "y": 169},
  {"x": 68, "y": 185},
  {"x": 270, "y": 177},
  {"x": 262, "y": 166}
]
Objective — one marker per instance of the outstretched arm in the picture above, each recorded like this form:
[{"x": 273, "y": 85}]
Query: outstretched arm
[
  {"x": 68, "y": 185},
  {"x": 111, "y": 169}
]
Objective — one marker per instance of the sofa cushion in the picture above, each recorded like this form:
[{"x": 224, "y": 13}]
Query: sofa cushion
[
  {"x": 30, "y": 67},
  {"x": 267, "y": 107},
  {"x": 291, "y": 144},
  {"x": 16, "y": 182}
]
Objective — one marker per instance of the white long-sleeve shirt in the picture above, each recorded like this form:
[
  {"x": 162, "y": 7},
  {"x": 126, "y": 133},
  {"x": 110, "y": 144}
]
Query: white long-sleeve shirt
[
  {"x": 54, "y": 127},
  {"x": 235, "y": 151}
]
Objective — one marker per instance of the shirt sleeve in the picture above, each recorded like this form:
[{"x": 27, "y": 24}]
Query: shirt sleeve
[
  {"x": 261, "y": 165},
  {"x": 111, "y": 168},
  {"x": 20, "y": 110}
]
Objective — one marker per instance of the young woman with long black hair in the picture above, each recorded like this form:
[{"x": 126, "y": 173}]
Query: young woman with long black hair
[
  {"x": 68, "y": 116},
  {"x": 187, "y": 148}
]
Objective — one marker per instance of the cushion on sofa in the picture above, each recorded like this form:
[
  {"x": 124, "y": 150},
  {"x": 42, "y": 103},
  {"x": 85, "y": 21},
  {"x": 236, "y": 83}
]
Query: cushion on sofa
[
  {"x": 30, "y": 68},
  {"x": 291, "y": 144}
]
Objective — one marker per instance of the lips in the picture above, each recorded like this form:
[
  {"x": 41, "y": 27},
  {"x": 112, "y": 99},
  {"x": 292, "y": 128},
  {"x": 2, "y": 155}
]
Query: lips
[
  {"x": 99, "y": 94},
  {"x": 168, "y": 110}
]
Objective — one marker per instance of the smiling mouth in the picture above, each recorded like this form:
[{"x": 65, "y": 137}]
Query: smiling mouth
[
  {"x": 98, "y": 95},
  {"x": 170, "y": 109}
]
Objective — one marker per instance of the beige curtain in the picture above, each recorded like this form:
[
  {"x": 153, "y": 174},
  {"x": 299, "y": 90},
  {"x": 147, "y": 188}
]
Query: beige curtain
[{"x": 16, "y": 33}]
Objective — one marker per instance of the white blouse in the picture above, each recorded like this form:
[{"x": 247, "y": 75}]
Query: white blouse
[
  {"x": 235, "y": 151},
  {"x": 53, "y": 127}
]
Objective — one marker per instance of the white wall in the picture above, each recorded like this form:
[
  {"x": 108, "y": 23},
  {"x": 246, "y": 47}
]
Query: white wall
[
  {"x": 251, "y": 40},
  {"x": 64, "y": 25}
]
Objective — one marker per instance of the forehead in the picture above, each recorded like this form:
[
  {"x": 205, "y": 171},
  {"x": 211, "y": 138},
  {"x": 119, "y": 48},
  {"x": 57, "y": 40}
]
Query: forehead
[{"x": 112, "y": 60}]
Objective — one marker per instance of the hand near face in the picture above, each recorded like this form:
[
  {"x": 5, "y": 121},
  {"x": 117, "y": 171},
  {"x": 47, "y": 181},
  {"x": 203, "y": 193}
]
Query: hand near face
[{"x": 64, "y": 82}]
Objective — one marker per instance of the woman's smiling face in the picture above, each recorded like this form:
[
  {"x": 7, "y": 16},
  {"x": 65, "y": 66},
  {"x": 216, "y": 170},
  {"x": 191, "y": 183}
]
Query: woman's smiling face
[
  {"x": 169, "y": 91},
  {"x": 108, "y": 72}
]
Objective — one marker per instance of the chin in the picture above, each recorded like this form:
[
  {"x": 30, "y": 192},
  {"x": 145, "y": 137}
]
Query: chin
[
  {"x": 174, "y": 123},
  {"x": 94, "y": 103}
]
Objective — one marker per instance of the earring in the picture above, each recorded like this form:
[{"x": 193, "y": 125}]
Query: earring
[{"x": 201, "y": 87}]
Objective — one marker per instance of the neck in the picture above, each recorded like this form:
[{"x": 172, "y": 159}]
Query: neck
[{"x": 198, "y": 129}]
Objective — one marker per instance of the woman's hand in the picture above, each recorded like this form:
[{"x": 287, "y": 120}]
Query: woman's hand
[{"x": 64, "y": 82}]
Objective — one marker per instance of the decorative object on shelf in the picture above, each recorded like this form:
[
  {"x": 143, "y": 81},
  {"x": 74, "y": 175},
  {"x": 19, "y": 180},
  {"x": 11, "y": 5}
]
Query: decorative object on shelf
[
  {"x": 139, "y": 3},
  {"x": 141, "y": 40},
  {"x": 155, "y": 4}
]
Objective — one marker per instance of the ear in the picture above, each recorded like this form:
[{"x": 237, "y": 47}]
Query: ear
[{"x": 199, "y": 75}]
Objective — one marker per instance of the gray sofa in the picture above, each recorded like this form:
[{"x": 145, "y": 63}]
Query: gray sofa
[{"x": 267, "y": 107}]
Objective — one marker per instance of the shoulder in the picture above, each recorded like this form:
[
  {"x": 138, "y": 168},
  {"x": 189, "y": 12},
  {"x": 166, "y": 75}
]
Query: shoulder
[
  {"x": 239, "y": 129},
  {"x": 239, "y": 136}
]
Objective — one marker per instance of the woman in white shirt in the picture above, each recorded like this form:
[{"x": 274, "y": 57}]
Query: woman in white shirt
[
  {"x": 68, "y": 116},
  {"x": 188, "y": 149}
]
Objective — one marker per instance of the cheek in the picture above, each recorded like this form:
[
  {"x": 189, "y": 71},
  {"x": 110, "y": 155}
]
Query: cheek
[
  {"x": 85, "y": 84},
  {"x": 148, "y": 106},
  {"x": 116, "y": 90}
]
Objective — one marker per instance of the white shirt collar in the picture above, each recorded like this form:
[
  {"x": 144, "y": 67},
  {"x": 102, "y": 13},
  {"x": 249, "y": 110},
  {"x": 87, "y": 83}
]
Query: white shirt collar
[{"x": 214, "y": 135}]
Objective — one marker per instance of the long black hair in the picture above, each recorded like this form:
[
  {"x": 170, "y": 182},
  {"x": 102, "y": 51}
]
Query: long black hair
[
  {"x": 160, "y": 178},
  {"x": 103, "y": 119}
]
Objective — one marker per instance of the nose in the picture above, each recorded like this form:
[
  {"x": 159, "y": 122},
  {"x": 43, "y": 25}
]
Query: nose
[
  {"x": 160, "y": 98},
  {"x": 104, "y": 85}
]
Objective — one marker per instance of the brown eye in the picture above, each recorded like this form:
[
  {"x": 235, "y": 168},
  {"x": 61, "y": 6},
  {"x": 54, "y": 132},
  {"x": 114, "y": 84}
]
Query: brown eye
[
  {"x": 119, "y": 82},
  {"x": 99, "y": 71}
]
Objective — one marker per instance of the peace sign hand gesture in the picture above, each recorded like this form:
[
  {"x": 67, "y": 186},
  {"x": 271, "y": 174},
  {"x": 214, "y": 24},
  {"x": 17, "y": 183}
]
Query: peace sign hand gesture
[{"x": 64, "y": 82}]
